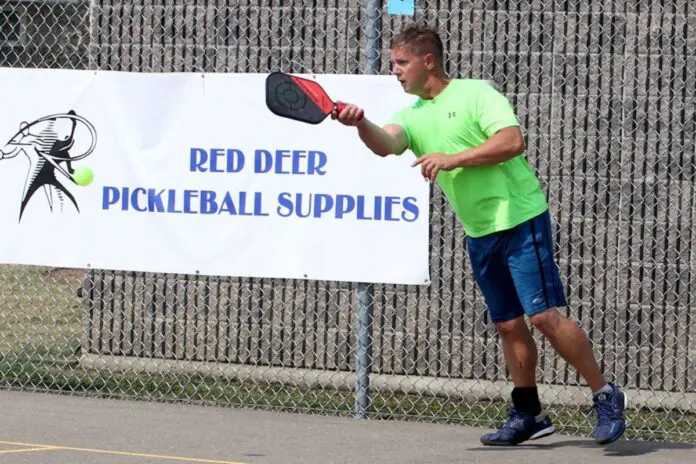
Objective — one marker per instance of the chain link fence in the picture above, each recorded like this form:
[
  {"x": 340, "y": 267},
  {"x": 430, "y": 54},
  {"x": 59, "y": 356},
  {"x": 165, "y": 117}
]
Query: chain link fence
[{"x": 606, "y": 93}]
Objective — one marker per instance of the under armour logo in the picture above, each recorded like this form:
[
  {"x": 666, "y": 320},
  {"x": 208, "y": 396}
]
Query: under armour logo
[{"x": 451, "y": 114}]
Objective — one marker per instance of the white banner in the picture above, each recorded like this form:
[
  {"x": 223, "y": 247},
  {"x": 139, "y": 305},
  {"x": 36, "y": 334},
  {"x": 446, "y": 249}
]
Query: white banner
[{"x": 193, "y": 174}]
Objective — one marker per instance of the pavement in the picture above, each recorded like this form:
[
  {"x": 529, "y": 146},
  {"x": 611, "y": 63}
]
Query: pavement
[{"x": 59, "y": 429}]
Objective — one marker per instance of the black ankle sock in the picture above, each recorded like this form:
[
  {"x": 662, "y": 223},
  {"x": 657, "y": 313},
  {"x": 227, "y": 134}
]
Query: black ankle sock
[{"x": 526, "y": 399}]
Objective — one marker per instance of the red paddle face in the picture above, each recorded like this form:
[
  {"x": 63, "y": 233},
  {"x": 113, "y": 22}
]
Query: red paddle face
[{"x": 316, "y": 93}]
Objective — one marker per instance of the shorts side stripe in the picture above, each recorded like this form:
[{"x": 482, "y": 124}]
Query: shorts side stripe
[{"x": 541, "y": 264}]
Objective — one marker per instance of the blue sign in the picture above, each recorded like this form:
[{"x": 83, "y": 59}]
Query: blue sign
[{"x": 401, "y": 7}]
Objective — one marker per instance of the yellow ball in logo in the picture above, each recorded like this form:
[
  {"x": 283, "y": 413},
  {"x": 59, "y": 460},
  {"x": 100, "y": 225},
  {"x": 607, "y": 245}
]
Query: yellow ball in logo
[{"x": 83, "y": 176}]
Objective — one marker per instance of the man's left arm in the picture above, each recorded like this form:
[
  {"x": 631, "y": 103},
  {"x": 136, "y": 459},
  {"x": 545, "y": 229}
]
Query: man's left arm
[
  {"x": 497, "y": 120},
  {"x": 501, "y": 146}
]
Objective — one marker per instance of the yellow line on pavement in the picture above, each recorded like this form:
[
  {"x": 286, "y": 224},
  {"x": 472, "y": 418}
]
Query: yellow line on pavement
[
  {"x": 26, "y": 450},
  {"x": 39, "y": 447}
]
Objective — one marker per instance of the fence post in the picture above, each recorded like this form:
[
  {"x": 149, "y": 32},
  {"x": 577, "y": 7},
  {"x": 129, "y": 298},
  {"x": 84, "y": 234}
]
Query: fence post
[
  {"x": 373, "y": 26},
  {"x": 373, "y": 33},
  {"x": 363, "y": 349}
]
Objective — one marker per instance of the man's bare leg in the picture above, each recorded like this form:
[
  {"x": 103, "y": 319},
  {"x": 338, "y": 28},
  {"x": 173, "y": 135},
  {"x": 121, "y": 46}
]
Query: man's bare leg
[{"x": 572, "y": 344}]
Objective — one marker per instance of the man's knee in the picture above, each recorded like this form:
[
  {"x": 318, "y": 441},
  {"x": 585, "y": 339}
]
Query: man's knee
[
  {"x": 512, "y": 327},
  {"x": 547, "y": 321}
]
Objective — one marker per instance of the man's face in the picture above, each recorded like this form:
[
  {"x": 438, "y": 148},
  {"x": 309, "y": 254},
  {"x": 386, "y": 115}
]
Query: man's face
[{"x": 409, "y": 68}]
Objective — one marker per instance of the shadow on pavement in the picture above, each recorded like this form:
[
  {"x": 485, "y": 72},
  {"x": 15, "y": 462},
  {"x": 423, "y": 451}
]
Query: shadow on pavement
[{"x": 616, "y": 449}]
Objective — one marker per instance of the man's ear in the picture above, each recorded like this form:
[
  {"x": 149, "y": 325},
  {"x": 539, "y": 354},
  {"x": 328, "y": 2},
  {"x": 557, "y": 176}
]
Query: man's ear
[{"x": 429, "y": 61}]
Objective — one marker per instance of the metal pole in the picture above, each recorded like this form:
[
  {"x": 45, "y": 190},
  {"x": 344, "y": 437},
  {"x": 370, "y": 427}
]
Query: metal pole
[
  {"x": 373, "y": 32},
  {"x": 363, "y": 350},
  {"x": 373, "y": 26}
]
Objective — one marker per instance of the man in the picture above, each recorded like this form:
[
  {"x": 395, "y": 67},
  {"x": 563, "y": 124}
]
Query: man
[{"x": 466, "y": 137}]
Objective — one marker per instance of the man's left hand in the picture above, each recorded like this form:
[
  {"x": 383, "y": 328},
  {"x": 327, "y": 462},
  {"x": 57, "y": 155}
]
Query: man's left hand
[{"x": 433, "y": 163}]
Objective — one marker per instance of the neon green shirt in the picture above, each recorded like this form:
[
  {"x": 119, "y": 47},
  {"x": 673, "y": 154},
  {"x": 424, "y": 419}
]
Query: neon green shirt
[{"x": 486, "y": 199}]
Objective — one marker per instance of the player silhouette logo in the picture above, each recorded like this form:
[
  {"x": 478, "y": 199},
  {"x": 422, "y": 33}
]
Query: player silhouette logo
[{"x": 52, "y": 144}]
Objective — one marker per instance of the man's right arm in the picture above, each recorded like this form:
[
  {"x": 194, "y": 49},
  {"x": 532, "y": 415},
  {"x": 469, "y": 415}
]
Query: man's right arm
[{"x": 383, "y": 141}]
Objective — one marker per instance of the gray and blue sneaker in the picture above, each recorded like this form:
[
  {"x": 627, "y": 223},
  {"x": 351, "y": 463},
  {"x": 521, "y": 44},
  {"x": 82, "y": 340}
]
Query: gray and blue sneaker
[
  {"x": 519, "y": 427},
  {"x": 610, "y": 409}
]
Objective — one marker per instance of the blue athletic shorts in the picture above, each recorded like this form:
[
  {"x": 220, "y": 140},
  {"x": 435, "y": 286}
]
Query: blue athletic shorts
[{"x": 516, "y": 271}]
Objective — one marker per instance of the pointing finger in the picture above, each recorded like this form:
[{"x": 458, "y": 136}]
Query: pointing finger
[{"x": 419, "y": 160}]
